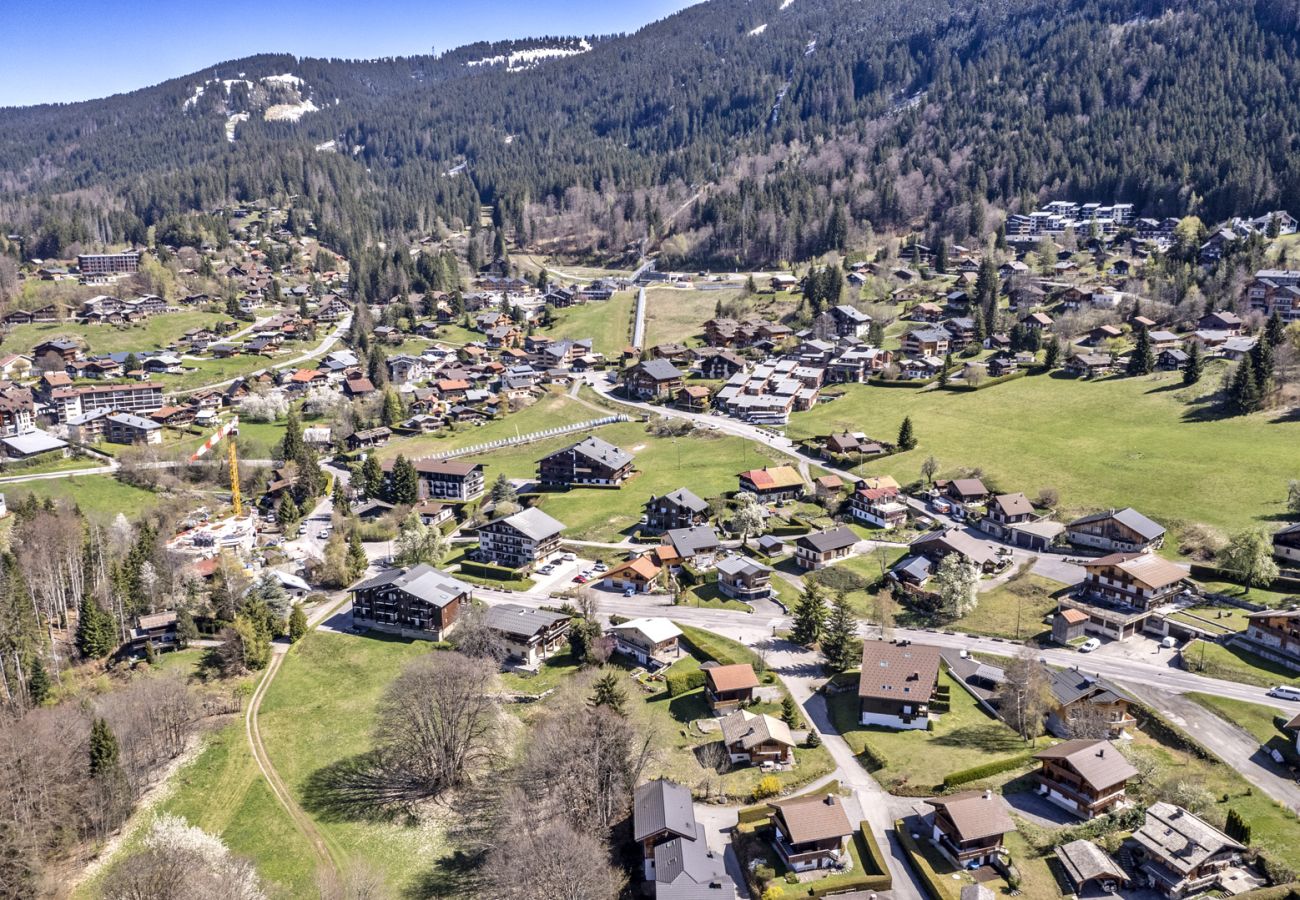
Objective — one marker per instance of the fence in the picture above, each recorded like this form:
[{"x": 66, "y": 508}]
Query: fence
[{"x": 530, "y": 437}]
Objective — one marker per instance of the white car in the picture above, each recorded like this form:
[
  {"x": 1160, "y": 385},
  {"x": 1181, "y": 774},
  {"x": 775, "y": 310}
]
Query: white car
[
  {"x": 1089, "y": 645},
  {"x": 1284, "y": 692}
]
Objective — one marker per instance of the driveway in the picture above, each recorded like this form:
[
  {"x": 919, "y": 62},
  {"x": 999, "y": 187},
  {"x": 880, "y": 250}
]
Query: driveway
[{"x": 1236, "y": 747}]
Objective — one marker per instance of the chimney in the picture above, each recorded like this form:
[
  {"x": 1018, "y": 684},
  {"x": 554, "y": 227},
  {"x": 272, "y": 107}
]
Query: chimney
[
  {"x": 1101, "y": 752},
  {"x": 988, "y": 794},
  {"x": 830, "y": 799}
]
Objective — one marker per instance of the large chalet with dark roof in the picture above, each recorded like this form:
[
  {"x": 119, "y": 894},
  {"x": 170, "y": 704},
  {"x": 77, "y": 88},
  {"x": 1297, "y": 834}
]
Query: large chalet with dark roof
[
  {"x": 417, "y": 602},
  {"x": 897, "y": 683},
  {"x": 653, "y": 379},
  {"x": 1086, "y": 777},
  {"x": 678, "y": 509},
  {"x": 590, "y": 461}
]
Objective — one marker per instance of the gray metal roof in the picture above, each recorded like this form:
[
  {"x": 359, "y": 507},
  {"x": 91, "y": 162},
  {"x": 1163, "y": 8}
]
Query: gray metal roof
[
  {"x": 690, "y": 541},
  {"x": 685, "y": 498},
  {"x": 423, "y": 582},
  {"x": 686, "y": 869},
  {"x": 663, "y": 805},
  {"x": 535, "y": 524},
  {"x": 602, "y": 452},
  {"x": 521, "y": 621},
  {"x": 1130, "y": 518}
]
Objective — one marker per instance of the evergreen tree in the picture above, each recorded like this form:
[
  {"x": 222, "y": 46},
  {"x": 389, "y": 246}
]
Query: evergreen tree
[
  {"x": 342, "y": 505},
  {"x": 288, "y": 514},
  {"x": 403, "y": 483},
  {"x": 150, "y": 655},
  {"x": 186, "y": 630},
  {"x": 1052, "y": 356},
  {"x": 297, "y": 623},
  {"x": 789, "y": 711},
  {"x": 392, "y": 411},
  {"x": 104, "y": 751},
  {"x": 839, "y": 642},
  {"x": 809, "y": 615},
  {"x": 1274, "y": 330},
  {"x": 947, "y": 366},
  {"x": 1142, "y": 361},
  {"x": 503, "y": 491},
  {"x": 906, "y": 436},
  {"x": 38, "y": 682},
  {"x": 377, "y": 368},
  {"x": 1261, "y": 359},
  {"x": 372, "y": 477},
  {"x": 357, "y": 560},
  {"x": 941, "y": 255},
  {"x": 292, "y": 443},
  {"x": 95, "y": 630},
  {"x": 1243, "y": 391},
  {"x": 986, "y": 283},
  {"x": 1194, "y": 366},
  {"x": 608, "y": 692}
]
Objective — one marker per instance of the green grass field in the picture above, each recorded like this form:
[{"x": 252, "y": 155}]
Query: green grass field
[
  {"x": 1118, "y": 442},
  {"x": 706, "y": 465},
  {"x": 677, "y": 315},
  {"x": 1259, "y": 721},
  {"x": 320, "y": 711},
  {"x": 1016, "y": 609},
  {"x": 99, "y": 496},
  {"x": 1218, "y": 661},
  {"x": 153, "y": 333},
  {"x": 607, "y": 322},
  {"x": 918, "y": 761}
]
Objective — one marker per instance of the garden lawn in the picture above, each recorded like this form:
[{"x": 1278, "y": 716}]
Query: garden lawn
[
  {"x": 677, "y": 315},
  {"x": 54, "y": 463},
  {"x": 202, "y": 372},
  {"x": 1273, "y": 599},
  {"x": 706, "y": 464},
  {"x": 554, "y": 409},
  {"x": 1231, "y": 664},
  {"x": 1016, "y": 609},
  {"x": 320, "y": 711},
  {"x": 155, "y": 333},
  {"x": 99, "y": 496},
  {"x": 916, "y": 762},
  {"x": 1111, "y": 443},
  {"x": 607, "y": 322},
  {"x": 707, "y": 596}
]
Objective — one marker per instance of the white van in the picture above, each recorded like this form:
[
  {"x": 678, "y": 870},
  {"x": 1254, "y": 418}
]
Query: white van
[{"x": 1284, "y": 692}]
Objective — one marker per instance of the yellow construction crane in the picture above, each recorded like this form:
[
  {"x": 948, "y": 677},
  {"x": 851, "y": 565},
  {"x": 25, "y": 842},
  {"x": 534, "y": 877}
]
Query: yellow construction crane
[{"x": 224, "y": 431}]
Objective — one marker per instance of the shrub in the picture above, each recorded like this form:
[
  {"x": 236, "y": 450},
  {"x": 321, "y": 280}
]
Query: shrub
[
  {"x": 768, "y": 786},
  {"x": 873, "y": 758},
  {"x": 773, "y": 892},
  {"x": 975, "y": 773},
  {"x": 683, "y": 682}
]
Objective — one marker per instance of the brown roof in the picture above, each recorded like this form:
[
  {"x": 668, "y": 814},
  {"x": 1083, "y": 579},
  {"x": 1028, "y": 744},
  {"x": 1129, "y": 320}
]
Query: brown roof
[
  {"x": 975, "y": 815},
  {"x": 643, "y": 566},
  {"x": 1073, "y": 616},
  {"x": 1097, "y": 762},
  {"x": 735, "y": 677},
  {"x": 750, "y": 730},
  {"x": 897, "y": 670},
  {"x": 1014, "y": 504},
  {"x": 1146, "y": 569},
  {"x": 813, "y": 818}
]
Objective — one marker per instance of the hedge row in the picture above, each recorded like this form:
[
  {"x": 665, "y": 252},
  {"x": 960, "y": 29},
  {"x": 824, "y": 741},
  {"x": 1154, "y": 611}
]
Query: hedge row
[
  {"x": 873, "y": 758},
  {"x": 715, "y": 648},
  {"x": 975, "y": 773},
  {"x": 684, "y": 682},
  {"x": 901, "y": 383},
  {"x": 488, "y": 570},
  {"x": 963, "y": 388},
  {"x": 1214, "y": 573},
  {"x": 935, "y": 888}
]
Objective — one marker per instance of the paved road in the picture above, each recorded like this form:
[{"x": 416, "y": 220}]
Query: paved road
[
  {"x": 321, "y": 349},
  {"x": 1236, "y": 747}
]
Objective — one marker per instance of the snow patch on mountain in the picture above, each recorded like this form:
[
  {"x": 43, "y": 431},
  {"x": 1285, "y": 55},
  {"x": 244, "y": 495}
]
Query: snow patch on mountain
[
  {"x": 526, "y": 59},
  {"x": 755, "y": 32}
]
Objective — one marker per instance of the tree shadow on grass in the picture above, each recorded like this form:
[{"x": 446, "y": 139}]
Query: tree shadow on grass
[
  {"x": 988, "y": 738},
  {"x": 358, "y": 789},
  {"x": 459, "y": 874}
]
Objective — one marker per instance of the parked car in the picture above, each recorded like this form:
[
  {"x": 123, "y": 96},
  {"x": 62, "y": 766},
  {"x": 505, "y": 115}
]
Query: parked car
[
  {"x": 1090, "y": 645},
  {"x": 580, "y": 579},
  {"x": 1284, "y": 692}
]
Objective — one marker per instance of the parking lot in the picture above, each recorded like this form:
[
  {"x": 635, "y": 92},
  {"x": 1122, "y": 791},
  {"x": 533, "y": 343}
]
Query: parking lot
[{"x": 563, "y": 571}]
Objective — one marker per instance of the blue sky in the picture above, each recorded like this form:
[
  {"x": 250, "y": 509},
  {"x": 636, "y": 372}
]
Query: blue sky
[{"x": 79, "y": 49}]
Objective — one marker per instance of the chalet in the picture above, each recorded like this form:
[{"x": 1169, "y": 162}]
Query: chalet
[
  {"x": 772, "y": 483},
  {"x": 1012, "y": 518},
  {"x": 1181, "y": 854},
  {"x": 419, "y": 602},
  {"x": 17, "y": 409},
  {"x": 651, "y": 642},
  {"x": 881, "y": 507},
  {"x": 962, "y": 331},
  {"x": 1103, "y": 333},
  {"x": 520, "y": 541},
  {"x": 432, "y": 513},
  {"x": 697, "y": 545},
  {"x": 1038, "y": 321},
  {"x": 156, "y": 630},
  {"x": 369, "y": 437},
  {"x": 1273, "y": 634},
  {"x": 127, "y": 428},
  {"x": 850, "y": 444},
  {"x": 927, "y": 342},
  {"x": 358, "y": 388},
  {"x": 590, "y": 461},
  {"x": 638, "y": 575},
  {"x": 935, "y": 545},
  {"x": 742, "y": 578},
  {"x": 1171, "y": 360},
  {"x": 692, "y": 398},
  {"x": 1286, "y": 544},
  {"x": 820, "y": 549},
  {"x": 850, "y": 321},
  {"x": 678, "y": 509},
  {"x": 756, "y": 738},
  {"x": 720, "y": 364},
  {"x": 968, "y": 827},
  {"x": 15, "y": 365},
  {"x": 1121, "y": 590},
  {"x": 1228, "y": 322},
  {"x": 1082, "y": 703},
  {"x": 654, "y": 379},
  {"x": 448, "y": 479},
  {"x": 671, "y": 351},
  {"x": 530, "y": 635},
  {"x": 1086, "y": 777},
  {"x": 897, "y": 682},
  {"x": 964, "y": 490},
  {"x": 1089, "y": 870},
  {"x": 727, "y": 688},
  {"x": 372, "y": 509},
  {"x": 1125, "y": 530},
  {"x": 811, "y": 832},
  {"x": 55, "y": 354},
  {"x": 676, "y": 861},
  {"x": 1089, "y": 365},
  {"x": 857, "y": 364}
]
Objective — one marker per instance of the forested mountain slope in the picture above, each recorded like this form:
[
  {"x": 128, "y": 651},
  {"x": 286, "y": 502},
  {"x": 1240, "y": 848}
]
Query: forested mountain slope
[{"x": 898, "y": 112}]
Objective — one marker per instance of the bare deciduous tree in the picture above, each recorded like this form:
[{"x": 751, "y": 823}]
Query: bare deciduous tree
[
  {"x": 437, "y": 721},
  {"x": 1024, "y": 696},
  {"x": 561, "y": 862}
]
